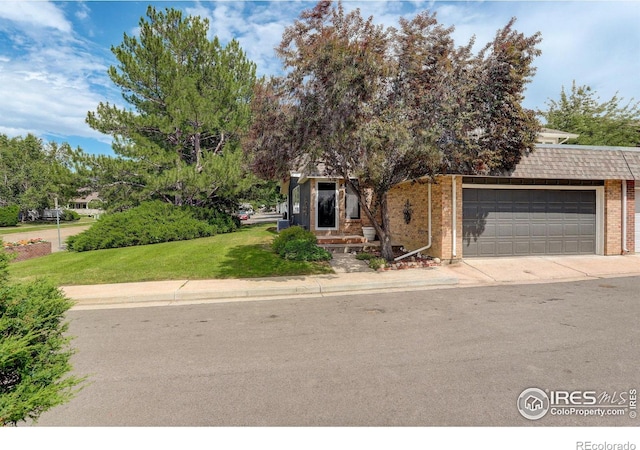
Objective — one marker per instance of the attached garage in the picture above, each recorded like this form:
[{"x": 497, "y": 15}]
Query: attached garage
[{"x": 533, "y": 220}]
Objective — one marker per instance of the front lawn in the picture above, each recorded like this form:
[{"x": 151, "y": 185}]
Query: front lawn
[{"x": 245, "y": 253}]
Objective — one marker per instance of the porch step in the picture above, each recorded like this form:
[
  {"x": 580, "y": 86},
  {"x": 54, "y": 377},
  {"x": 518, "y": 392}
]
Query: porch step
[
  {"x": 333, "y": 240},
  {"x": 350, "y": 248}
]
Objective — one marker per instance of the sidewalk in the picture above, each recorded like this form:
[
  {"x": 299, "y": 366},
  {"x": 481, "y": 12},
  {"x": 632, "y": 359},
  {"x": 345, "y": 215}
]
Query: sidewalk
[{"x": 471, "y": 272}]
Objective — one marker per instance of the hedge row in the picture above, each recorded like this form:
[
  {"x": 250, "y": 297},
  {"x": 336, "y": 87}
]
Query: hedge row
[
  {"x": 9, "y": 216},
  {"x": 151, "y": 223}
]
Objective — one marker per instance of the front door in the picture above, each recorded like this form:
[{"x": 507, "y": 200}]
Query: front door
[{"x": 327, "y": 203}]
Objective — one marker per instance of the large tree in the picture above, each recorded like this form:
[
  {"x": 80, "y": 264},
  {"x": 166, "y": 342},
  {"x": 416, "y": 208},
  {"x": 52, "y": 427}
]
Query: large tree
[
  {"x": 384, "y": 105},
  {"x": 188, "y": 99},
  {"x": 612, "y": 122},
  {"x": 34, "y": 173}
]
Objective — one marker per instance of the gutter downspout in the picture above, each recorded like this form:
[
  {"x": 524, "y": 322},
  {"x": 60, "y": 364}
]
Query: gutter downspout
[
  {"x": 406, "y": 255},
  {"x": 624, "y": 217},
  {"x": 454, "y": 217}
]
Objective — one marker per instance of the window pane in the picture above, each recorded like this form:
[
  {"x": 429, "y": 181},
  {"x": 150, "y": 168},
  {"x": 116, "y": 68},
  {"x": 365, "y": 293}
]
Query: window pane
[{"x": 353, "y": 204}]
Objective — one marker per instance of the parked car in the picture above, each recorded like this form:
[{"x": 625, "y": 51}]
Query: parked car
[{"x": 243, "y": 215}]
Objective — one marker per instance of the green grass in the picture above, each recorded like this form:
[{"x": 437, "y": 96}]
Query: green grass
[
  {"x": 243, "y": 254},
  {"x": 27, "y": 227}
]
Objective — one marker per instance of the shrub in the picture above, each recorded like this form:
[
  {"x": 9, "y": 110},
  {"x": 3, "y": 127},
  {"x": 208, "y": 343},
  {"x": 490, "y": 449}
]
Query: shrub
[
  {"x": 69, "y": 216},
  {"x": 292, "y": 234},
  {"x": 149, "y": 223},
  {"x": 223, "y": 222},
  {"x": 34, "y": 350},
  {"x": 377, "y": 263},
  {"x": 298, "y": 244},
  {"x": 363, "y": 256},
  {"x": 9, "y": 216},
  {"x": 303, "y": 250}
]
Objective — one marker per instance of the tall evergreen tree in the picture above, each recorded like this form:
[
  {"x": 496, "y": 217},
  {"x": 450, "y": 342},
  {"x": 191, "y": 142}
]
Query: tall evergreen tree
[{"x": 188, "y": 102}]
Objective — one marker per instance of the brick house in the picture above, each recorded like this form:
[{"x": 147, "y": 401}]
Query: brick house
[{"x": 560, "y": 199}]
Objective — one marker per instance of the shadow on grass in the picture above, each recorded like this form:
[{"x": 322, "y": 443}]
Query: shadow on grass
[{"x": 258, "y": 261}]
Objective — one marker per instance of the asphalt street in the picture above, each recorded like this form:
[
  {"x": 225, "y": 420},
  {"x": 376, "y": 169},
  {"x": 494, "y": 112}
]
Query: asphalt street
[{"x": 438, "y": 357}]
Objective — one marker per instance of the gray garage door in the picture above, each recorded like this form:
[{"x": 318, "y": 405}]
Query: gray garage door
[{"x": 513, "y": 222}]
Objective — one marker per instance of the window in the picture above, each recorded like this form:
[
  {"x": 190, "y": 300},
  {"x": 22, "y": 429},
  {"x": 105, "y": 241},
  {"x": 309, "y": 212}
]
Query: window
[
  {"x": 295, "y": 200},
  {"x": 352, "y": 206}
]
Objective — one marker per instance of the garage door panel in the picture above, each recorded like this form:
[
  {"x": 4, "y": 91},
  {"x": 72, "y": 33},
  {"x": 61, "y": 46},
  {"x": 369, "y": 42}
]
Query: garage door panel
[
  {"x": 571, "y": 246},
  {"x": 554, "y": 246},
  {"x": 538, "y": 248},
  {"x": 529, "y": 222},
  {"x": 522, "y": 230},
  {"x": 587, "y": 246},
  {"x": 539, "y": 229},
  {"x": 505, "y": 248}
]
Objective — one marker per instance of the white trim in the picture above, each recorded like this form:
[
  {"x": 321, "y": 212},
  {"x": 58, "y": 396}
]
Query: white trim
[
  {"x": 548, "y": 187},
  {"x": 599, "y": 190},
  {"x": 600, "y": 220},
  {"x": 454, "y": 216},
  {"x": 637, "y": 219},
  {"x": 624, "y": 217},
  {"x": 337, "y": 202}
]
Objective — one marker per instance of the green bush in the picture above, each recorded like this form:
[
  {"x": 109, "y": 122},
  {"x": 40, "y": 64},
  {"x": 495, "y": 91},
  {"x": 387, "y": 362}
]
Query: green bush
[
  {"x": 149, "y": 223},
  {"x": 377, "y": 263},
  {"x": 69, "y": 216},
  {"x": 223, "y": 222},
  {"x": 9, "y": 216},
  {"x": 34, "y": 349},
  {"x": 364, "y": 256},
  {"x": 292, "y": 234},
  {"x": 303, "y": 250},
  {"x": 298, "y": 244}
]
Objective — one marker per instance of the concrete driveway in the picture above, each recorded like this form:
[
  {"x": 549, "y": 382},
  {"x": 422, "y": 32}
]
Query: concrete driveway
[{"x": 536, "y": 269}]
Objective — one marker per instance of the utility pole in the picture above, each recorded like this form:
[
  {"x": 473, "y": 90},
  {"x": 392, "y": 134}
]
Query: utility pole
[{"x": 58, "y": 223}]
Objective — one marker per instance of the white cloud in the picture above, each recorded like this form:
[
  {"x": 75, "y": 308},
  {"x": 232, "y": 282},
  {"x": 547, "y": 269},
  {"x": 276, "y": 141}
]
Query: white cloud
[
  {"x": 49, "y": 78},
  {"x": 35, "y": 14}
]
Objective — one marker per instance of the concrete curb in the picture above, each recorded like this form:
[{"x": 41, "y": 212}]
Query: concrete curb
[{"x": 185, "y": 292}]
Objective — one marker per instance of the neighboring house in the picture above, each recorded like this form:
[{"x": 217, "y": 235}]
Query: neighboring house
[
  {"x": 81, "y": 205},
  {"x": 559, "y": 200},
  {"x": 549, "y": 136}
]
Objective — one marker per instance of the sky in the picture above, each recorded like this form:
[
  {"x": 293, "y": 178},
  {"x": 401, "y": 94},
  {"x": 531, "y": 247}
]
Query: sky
[{"x": 54, "y": 56}]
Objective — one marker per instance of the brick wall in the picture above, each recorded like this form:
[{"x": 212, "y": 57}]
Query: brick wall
[
  {"x": 631, "y": 211},
  {"x": 613, "y": 239},
  {"x": 415, "y": 234},
  {"x": 25, "y": 252}
]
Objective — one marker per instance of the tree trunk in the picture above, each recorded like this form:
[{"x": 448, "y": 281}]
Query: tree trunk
[
  {"x": 386, "y": 251},
  {"x": 198, "y": 153},
  {"x": 382, "y": 229}
]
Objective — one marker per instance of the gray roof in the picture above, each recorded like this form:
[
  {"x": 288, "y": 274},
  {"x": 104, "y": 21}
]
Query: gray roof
[{"x": 580, "y": 162}]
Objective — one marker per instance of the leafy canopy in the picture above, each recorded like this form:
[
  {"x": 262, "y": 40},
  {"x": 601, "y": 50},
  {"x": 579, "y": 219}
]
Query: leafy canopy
[
  {"x": 386, "y": 105},
  {"x": 612, "y": 122},
  {"x": 33, "y": 174},
  {"x": 188, "y": 99}
]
